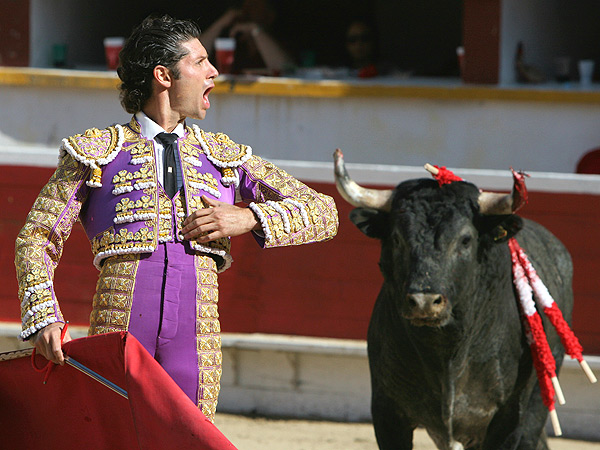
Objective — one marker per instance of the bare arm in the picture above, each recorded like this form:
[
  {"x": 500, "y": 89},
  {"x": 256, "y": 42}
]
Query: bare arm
[
  {"x": 275, "y": 57},
  {"x": 209, "y": 35}
]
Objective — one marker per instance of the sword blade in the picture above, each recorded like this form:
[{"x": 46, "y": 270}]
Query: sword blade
[{"x": 99, "y": 378}]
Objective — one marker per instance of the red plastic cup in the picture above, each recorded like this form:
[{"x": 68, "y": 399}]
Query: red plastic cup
[
  {"x": 112, "y": 47},
  {"x": 224, "y": 49}
]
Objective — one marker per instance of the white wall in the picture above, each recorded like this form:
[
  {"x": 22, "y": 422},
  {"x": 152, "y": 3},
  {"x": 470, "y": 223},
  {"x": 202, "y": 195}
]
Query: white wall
[{"x": 479, "y": 134}]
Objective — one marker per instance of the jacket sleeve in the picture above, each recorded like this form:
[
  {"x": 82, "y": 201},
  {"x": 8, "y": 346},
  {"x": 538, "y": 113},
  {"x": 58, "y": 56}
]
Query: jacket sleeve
[
  {"x": 290, "y": 212},
  {"x": 40, "y": 242}
]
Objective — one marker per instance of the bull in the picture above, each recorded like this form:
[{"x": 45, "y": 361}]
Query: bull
[{"x": 447, "y": 349}]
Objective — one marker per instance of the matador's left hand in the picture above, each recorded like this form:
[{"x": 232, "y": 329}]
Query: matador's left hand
[{"x": 218, "y": 220}]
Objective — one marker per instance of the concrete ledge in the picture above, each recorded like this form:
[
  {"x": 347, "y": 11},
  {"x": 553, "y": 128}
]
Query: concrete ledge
[
  {"x": 295, "y": 376},
  {"x": 297, "y": 344}
]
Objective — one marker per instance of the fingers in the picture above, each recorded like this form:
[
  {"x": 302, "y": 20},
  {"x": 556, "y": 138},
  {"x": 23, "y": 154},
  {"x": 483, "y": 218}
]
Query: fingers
[
  {"x": 212, "y": 202},
  {"x": 57, "y": 356},
  {"x": 201, "y": 220},
  {"x": 219, "y": 220},
  {"x": 48, "y": 343}
]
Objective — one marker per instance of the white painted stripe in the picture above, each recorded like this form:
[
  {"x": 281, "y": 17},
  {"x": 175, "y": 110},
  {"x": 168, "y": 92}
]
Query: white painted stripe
[
  {"x": 387, "y": 175},
  {"x": 373, "y": 174}
]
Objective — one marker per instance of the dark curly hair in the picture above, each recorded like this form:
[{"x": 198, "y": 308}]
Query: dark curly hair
[{"x": 156, "y": 41}]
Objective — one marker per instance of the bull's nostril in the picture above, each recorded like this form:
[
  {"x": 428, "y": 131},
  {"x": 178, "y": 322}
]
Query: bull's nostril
[
  {"x": 438, "y": 300},
  {"x": 412, "y": 302}
]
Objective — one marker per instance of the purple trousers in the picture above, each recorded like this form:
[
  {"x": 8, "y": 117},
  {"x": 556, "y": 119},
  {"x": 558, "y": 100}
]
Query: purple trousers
[
  {"x": 167, "y": 300},
  {"x": 163, "y": 313}
]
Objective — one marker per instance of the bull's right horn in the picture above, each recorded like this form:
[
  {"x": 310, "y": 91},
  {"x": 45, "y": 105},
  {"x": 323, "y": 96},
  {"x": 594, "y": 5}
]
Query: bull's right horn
[
  {"x": 495, "y": 203},
  {"x": 380, "y": 199}
]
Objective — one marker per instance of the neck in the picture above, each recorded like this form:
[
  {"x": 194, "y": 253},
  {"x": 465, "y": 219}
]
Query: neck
[{"x": 161, "y": 113}]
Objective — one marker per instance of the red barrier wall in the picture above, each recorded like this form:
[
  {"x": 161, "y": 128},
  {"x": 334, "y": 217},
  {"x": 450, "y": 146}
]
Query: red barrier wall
[{"x": 325, "y": 289}]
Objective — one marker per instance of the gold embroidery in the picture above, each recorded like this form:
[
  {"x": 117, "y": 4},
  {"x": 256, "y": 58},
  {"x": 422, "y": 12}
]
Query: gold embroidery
[
  {"x": 123, "y": 178},
  {"x": 111, "y": 242},
  {"x": 208, "y": 340},
  {"x": 165, "y": 222},
  {"x": 180, "y": 212},
  {"x": 95, "y": 144},
  {"x": 223, "y": 149},
  {"x": 92, "y": 133},
  {"x": 306, "y": 205},
  {"x": 40, "y": 243},
  {"x": 205, "y": 178},
  {"x": 111, "y": 305},
  {"x": 140, "y": 150}
]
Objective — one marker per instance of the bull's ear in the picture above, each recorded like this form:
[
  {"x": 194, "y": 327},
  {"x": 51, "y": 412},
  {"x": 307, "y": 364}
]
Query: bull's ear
[
  {"x": 372, "y": 222},
  {"x": 502, "y": 228}
]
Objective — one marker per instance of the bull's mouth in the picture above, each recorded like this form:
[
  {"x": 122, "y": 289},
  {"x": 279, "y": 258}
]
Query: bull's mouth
[{"x": 434, "y": 322}]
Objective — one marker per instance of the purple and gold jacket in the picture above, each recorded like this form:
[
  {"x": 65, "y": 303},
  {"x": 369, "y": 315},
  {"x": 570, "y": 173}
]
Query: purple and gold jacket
[{"x": 108, "y": 180}]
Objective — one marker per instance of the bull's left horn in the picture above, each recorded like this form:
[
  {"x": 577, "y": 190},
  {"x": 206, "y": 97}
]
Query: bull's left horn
[
  {"x": 491, "y": 203},
  {"x": 380, "y": 199}
]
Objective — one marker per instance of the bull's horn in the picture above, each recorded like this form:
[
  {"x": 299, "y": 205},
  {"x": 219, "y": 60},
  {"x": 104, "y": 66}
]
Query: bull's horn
[
  {"x": 491, "y": 203},
  {"x": 380, "y": 199}
]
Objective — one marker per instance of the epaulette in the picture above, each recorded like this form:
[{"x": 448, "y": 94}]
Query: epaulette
[
  {"x": 95, "y": 148},
  {"x": 223, "y": 153}
]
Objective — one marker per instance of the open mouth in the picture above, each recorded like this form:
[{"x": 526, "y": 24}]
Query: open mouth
[{"x": 205, "y": 96}]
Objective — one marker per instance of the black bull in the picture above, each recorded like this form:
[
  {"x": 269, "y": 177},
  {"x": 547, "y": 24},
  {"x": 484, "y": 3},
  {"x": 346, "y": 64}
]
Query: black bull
[{"x": 447, "y": 349}]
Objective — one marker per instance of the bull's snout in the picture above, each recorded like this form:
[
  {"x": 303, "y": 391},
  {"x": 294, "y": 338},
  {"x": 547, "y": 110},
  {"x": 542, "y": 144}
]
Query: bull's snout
[{"x": 426, "y": 309}]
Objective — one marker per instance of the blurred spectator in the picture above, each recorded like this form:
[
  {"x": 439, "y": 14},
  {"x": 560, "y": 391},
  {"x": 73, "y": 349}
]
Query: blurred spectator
[
  {"x": 590, "y": 162},
  {"x": 361, "y": 47},
  {"x": 256, "y": 49}
]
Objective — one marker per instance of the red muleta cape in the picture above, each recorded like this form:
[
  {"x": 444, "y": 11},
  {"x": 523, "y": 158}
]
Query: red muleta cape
[{"x": 73, "y": 411}]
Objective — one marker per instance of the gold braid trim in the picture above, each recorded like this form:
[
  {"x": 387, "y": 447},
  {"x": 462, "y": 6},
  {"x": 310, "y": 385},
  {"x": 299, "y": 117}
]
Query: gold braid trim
[
  {"x": 95, "y": 148},
  {"x": 208, "y": 338},
  {"x": 111, "y": 307},
  {"x": 223, "y": 153},
  {"x": 290, "y": 212}
]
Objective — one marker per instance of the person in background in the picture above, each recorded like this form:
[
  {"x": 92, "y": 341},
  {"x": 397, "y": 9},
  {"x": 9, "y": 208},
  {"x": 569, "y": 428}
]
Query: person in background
[
  {"x": 256, "y": 49},
  {"x": 361, "y": 48},
  {"x": 156, "y": 197}
]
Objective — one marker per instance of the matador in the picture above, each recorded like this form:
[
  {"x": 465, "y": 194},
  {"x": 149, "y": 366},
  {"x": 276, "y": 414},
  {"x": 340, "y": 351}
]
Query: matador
[{"x": 158, "y": 255}]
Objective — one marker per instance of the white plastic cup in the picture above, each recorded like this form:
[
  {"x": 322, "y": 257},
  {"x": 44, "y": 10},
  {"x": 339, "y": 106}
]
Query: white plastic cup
[
  {"x": 586, "y": 71},
  {"x": 112, "y": 47},
  {"x": 224, "y": 49}
]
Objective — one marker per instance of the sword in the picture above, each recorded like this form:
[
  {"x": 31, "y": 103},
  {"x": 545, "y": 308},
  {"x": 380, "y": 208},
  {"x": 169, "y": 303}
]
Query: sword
[{"x": 99, "y": 378}]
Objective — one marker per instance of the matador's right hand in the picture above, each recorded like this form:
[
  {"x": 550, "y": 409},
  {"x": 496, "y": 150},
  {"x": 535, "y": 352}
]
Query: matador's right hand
[{"x": 47, "y": 342}]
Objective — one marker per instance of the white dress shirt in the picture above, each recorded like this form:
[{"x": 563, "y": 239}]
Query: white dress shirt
[{"x": 149, "y": 129}]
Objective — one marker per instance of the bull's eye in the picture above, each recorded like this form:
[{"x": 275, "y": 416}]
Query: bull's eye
[{"x": 466, "y": 240}]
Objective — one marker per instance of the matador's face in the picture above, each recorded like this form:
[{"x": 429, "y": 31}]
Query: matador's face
[{"x": 188, "y": 94}]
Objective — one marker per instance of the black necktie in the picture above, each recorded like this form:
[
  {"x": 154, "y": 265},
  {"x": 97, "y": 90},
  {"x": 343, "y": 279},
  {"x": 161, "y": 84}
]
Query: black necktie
[{"x": 169, "y": 142}]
